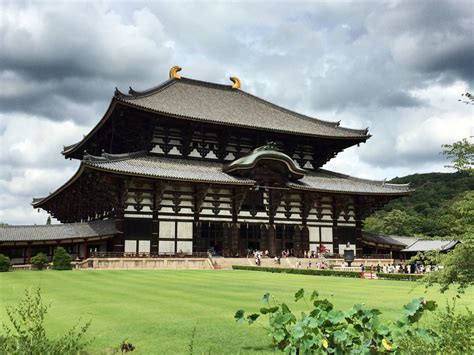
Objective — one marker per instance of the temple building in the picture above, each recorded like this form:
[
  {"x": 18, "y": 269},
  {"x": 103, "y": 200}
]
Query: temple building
[{"x": 190, "y": 166}]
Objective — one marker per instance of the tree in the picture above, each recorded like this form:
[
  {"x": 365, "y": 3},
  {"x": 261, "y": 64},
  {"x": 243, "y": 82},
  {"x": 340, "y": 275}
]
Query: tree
[
  {"x": 61, "y": 259},
  {"x": 395, "y": 222},
  {"x": 39, "y": 261},
  {"x": 4, "y": 263},
  {"x": 461, "y": 153}
]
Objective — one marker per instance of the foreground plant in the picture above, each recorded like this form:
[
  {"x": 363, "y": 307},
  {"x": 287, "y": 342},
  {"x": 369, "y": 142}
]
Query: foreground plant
[
  {"x": 325, "y": 330},
  {"x": 28, "y": 336}
]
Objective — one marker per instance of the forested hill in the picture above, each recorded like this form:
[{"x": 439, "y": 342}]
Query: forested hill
[{"x": 429, "y": 210}]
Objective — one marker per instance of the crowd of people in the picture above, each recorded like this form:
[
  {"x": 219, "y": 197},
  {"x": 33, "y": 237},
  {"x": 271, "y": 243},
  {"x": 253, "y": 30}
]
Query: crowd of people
[{"x": 415, "y": 268}]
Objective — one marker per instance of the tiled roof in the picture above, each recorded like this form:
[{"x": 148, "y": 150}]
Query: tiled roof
[
  {"x": 31, "y": 233},
  {"x": 153, "y": 166},
  {"x": 165, "y": 168},
  {"x": 209, "y": 102},
  {"x": 324, "y": 180},
  {"x": 388, "y": 239},
  {"x": 422, "y": 245}
]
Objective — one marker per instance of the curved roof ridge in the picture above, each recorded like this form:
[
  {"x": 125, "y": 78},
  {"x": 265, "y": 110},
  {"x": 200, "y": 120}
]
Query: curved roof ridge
[
  {"x": 57, "y": 225},
  {"x": 369, "y": 181},
  {"x": 105, "y": 157},
  {"x": 134, "y": 94},
  {"x": 137, "y": 94}
]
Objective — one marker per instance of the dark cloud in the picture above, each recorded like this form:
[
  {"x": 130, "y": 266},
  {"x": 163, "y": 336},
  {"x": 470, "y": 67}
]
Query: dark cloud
[{"x": 397, "y": 67}]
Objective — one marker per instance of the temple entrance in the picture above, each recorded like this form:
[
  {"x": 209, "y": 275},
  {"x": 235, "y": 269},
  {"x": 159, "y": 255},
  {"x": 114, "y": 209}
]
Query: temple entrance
[{"x": 250, "y": 236}]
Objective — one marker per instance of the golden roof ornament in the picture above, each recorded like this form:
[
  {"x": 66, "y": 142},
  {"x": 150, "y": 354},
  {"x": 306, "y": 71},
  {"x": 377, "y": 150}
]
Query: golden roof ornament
[
  {"x": 174, "y": 72},
  {"x": 236, "y": 82}
]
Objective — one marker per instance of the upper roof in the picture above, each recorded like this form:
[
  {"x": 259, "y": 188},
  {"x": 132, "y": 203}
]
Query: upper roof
[
  {"x": 217, "y": 103},
  {"x": 141, "y": 164},
  {"x": 31, "y": 233},
  {"x": 422, "y": 245}
]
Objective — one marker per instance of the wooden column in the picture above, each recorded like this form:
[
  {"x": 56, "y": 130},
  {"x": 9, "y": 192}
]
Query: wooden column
[
  {"x": 271, "y": 234},
  {"x": 86, "y": 249},
  {"x": 28, "y": 253},
  {"x": 304, "y": 238},
  {"x": 234, "y": 234},
  {"x": 119, "y": 208},
  {"x": 157, "y": 196}
]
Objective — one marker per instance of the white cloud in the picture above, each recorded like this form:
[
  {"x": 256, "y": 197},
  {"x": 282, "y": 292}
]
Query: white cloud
[{"x": 398, "y": 67}]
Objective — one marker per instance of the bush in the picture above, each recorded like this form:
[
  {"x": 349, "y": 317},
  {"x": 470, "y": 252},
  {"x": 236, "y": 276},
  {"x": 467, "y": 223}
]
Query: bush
[
  {"x": 39, "y": 261},
  {"x": 323, "y": 329},
  {"x": 28, "y": 334},
  {"x": 454, "y": 334},
  {"x": 61, "y": 259},
  {"x": 4, "y": 263},
  {"x": 352, "y": 274}
]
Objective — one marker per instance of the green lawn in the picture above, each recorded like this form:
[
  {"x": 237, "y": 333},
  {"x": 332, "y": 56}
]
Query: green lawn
[{"x": 156, "y": 310}]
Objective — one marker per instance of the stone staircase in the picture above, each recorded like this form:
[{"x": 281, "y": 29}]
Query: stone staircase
[{"x": 226, "y": 263}]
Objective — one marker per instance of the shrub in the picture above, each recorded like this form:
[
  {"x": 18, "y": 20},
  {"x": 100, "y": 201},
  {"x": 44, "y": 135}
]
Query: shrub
[
  {"x": 61, "y": 259},
  {"x": 39, "y": 261},
  {"x": 324, "y": 329},
  {"x": 454, "y": 332},
  {"x": 28, "y": 334},
  {"x": 4, "y": 263},
  {"x": 353, "y": 274}
]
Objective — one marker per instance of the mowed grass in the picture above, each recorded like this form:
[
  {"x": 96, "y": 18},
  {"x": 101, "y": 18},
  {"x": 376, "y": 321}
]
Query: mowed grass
[{"x": 156, "y": 310}]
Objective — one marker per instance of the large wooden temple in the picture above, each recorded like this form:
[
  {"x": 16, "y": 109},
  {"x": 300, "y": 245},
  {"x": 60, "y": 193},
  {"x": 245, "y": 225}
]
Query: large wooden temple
[{"x": 189, "y": 166}]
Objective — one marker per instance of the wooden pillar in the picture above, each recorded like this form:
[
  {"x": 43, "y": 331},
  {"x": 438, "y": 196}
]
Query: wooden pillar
[
  {"x": 119, "y": 208},
  {"x": 86, "y": 249},
  {"x": 271, "y": 234},
  {"x": 155, "y": 230},
  {"x": 304, "y": 238},
  {"x": 235, "y": 245},
  {"x": 27, "y": 258}
]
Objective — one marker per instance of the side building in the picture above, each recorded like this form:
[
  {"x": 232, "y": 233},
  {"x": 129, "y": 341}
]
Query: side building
[{"x": 189, "y": 166}]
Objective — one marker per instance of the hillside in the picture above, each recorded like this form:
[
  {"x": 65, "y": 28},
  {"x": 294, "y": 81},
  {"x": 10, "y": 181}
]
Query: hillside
[{"x": 428, "y": 210}]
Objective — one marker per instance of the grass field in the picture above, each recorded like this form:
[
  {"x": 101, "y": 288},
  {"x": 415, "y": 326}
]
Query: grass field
[{"x": 156, "y": 310}]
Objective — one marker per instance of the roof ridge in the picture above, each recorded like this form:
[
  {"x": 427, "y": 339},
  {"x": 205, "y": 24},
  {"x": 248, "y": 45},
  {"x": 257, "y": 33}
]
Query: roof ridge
[
  {"x": 373, "y": 182},
  {"x": 51, "y": 225},
  {"x": 136, "y": 94},
  {"x": 106, "y": 157}
]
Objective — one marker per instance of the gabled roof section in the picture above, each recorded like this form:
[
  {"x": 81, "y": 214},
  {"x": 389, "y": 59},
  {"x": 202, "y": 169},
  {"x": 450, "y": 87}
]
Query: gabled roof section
[
  {"x": 222, "y": 104},
  {"x": 325, "y": 180},
  {"x": 267, "y": 152},
  {"x": 142, "y": 164},
  {"x": 31, "y": 233},
  {"x": 202, "y": 101},
  {"x": 422, "y": 245}
]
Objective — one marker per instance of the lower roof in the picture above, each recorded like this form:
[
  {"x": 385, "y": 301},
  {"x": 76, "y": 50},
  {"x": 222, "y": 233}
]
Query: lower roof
[
  {"x": 68, "y": 231},
  {"x": 422, "y": 245},
  {"x": 141, "y": 164},
  {"x": 392, "y": 240}
]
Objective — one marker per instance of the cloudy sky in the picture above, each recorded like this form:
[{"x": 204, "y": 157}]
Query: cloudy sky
[{"x": 397, "y": 67}]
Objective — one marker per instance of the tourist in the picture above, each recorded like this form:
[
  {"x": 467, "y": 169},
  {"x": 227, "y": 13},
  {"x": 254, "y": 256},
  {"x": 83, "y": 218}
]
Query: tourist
[{"x": 378, "y": 268}]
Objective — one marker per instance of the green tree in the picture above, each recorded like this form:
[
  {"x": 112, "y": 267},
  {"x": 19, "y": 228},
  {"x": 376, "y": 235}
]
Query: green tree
[
  {"x": 61, "y": 259},
  {"x": 461, "y": 154},
  {"x": 395, "y": 222},
  {"x": 39, "y": 261},
  {"x": 4, "y": 263}
]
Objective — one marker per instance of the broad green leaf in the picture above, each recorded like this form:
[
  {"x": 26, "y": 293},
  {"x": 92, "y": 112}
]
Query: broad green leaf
[
  {"x": 314, "y": 295},
  {"x": 336, "y": 316},
  {"x": 269, "y": 310},
  {"x": 299, "y": 295},
  {"x": 430, "y": 305},
  {"x": 252, "y": 317},
  {"x": 265, "y": 298},
  {"x": 298, "y": 332},
  {"x": 239, "y": 315},
  {"x": 278, "y": 335},
  {"x": 339, "y": 336}
]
